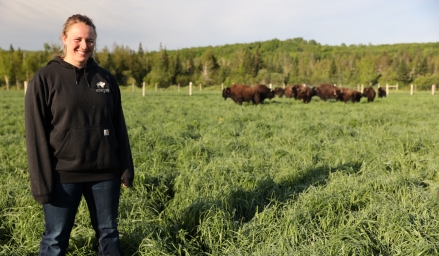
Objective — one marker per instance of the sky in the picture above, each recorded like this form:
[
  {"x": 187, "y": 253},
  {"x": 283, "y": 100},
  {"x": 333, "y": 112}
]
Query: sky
[{"x": 178, "y": 24}]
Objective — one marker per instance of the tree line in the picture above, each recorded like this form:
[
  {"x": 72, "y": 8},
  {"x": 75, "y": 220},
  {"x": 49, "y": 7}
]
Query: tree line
[{"x": 291, "y": 61}]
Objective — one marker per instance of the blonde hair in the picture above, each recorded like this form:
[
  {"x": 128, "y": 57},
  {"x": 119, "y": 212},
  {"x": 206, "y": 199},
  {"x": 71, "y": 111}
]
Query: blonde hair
[{"x": 72, "y": 20}]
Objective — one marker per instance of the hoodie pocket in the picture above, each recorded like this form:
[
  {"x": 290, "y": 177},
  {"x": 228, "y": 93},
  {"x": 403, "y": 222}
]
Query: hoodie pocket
[{"x": 87, "y": 148}]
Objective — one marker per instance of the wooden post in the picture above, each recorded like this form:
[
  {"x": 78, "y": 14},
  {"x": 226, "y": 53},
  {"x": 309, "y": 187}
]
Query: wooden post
[
  {"x": 132, "y": 87},
  {"x": 433, "y": 88},
  {"x": 190, "y": 88},
  {"x": 271, "y": 86},
  {"x": 25, "y": 87},
  {"x": 283, "y": 86},
  {"x": 362, "y": 88},
  {"x": 411, "y": 89},
  {"x": 396, "y": 86},
  {"x": 222, "y": 86},
  {"x": 143, "y": 89},
  {"x": 201, "y": 88},
  {"x": 7, "y": 83},
  {"x": 387, "y": 89}
]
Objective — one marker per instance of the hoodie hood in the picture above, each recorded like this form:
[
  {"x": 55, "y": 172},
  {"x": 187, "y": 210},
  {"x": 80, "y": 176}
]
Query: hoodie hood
[{"x": 78, "y": 72}]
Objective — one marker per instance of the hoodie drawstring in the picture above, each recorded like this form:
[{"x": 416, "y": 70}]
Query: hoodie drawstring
[
  {"x": 76, "y": 76},
  {"x": 85, "y": 76}
]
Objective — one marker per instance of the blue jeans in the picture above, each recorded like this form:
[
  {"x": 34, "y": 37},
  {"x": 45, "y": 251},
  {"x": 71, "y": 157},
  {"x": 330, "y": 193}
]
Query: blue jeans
[{"x": 102, "y": 199}]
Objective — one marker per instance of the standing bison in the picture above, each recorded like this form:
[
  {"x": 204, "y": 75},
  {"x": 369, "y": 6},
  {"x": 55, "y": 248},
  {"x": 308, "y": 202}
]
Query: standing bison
[
  {"x": 264, "y": 92},
  {"x": 346, "y": 94},
  {"x": 369, "y": 93},
  {"x": 289, "y": 92},
  {"x": 381, "y": 92},
  {"x": 240, "y": 93},
  {"x": 326, "y": 91},
  {"x": 305, "y": 93},
  {"x": 279, "y": 91}
]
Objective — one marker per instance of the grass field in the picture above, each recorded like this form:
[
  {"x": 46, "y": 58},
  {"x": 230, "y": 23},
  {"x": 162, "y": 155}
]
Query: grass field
[{"x": 282, "y": 178}]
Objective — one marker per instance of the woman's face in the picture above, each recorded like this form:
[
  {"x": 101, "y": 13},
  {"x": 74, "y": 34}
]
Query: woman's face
[{"x": 79, "y": 43}]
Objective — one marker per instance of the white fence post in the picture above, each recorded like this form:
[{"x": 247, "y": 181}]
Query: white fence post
[
  {"x": 433, "y": 89},
  {"x": 143, "y": 89},
  {"x": 190, "y": 88},
  {"x": 387, "y": 89},
  {"x": 411, "y": 89},
  {"x": 25, "y": 87}
]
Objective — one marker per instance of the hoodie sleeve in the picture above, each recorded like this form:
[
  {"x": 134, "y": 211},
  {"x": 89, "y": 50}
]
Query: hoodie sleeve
[
  {"x": 124, "y": 151},
  {"x": 37, "y": 119}
]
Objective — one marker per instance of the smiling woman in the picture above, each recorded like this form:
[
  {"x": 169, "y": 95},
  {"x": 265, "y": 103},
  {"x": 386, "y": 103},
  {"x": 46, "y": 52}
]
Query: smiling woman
[
  {"x": 77, "y": 142},
  {"x": 78, "y": 40}
]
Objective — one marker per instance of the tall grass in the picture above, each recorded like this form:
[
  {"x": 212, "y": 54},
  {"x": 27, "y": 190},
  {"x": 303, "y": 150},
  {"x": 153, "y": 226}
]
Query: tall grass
[{"x": 282, "y": 178}]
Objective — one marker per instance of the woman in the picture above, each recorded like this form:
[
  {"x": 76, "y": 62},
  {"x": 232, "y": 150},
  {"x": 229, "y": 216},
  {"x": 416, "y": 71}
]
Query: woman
[{"x": 77, "y": 142}]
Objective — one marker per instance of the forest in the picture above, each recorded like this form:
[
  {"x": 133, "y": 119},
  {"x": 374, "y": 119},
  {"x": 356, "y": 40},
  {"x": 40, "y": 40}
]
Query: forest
[{"x": 291, "y": 61}]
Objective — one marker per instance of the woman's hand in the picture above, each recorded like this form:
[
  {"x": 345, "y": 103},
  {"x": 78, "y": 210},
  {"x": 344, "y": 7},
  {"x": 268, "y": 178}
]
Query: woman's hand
[{"x": 123, "y": 184}]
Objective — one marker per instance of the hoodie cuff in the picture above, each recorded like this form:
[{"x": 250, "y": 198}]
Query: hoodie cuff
[{"x": 42, "y": 199}]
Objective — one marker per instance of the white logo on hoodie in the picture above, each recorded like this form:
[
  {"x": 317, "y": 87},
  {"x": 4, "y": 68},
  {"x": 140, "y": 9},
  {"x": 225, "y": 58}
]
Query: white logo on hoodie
[
  {"x": 101, "y": 84},
  {"x": 101, "y": 87}
]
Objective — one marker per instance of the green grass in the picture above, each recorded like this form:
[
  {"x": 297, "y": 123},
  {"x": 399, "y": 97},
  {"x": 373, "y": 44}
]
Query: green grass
[{"x": 282, "y": 178}]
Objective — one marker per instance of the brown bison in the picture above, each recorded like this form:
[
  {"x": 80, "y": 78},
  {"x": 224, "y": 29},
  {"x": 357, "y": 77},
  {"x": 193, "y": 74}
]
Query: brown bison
[
  {"x": 291, "y": 91},
  {"x": 326, "y": 91},
  {"x": 346, "y": 94},
  {"x": 288, "y": 91},
  {"x": 369, "y": 93},
  {"x": 279, "y": 91},
  {"x": 264, "y": 92},
  {"x": 305, "y": 93},
  {"x": 240, "y": 93},
  {"x": 381, "y": 92}
]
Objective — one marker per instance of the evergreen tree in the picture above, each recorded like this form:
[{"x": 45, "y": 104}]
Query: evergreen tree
[
  {"x": 422, "y": 67},
  {"x": 258, "y": 63},
  {"x": 403, "y": 73},
  {"x": 333, "y": 71},
  {"x": 176, "y": 68},
  {"x": 140, "y": 50}
]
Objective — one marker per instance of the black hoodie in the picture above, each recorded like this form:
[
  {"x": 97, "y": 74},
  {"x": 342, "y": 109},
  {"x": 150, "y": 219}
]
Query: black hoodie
[{"x": 75, "y": 128}]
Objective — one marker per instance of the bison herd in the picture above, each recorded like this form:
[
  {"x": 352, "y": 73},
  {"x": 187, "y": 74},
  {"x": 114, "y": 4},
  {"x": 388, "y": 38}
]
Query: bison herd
[{"x": 256, "y": 94}]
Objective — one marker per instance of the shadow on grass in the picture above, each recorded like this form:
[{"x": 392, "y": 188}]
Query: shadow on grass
[
  {"x": 242, "y": 205},
  {"x": 247, "y": 203}
]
